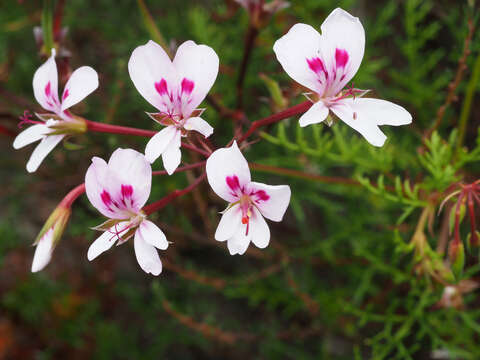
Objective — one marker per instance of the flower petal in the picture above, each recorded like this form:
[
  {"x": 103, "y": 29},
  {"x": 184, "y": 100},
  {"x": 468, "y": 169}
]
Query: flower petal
[
  {"x": 159, "y": 142},
  {"x": 299, "y": 44},
  {"x": 43, "y": 251},
  {"x": 198, "y": 64},
  {"x": 30, "y": 135},
  {"x": 147, "y": 255},
  {"x": 45, "y": 85},
  {"x": 172, "y": 155},
  {"x": 367, "y": 127},
  {"x": 229, "y": 223},
  {"x": 42, "y": 150},
  {"x": 343, "y": 45},
  {"x": 227, "y": 172},
  {"x": 96, "y": 176},
  {"x": 81, "y": 83},
  {"x": 148, "y": 65},
  {"x": 200, "y": 125},
  {"x": 260, "y": 230},
  {"x": 238, "y": 244},
  {"x": 130, "y": 168},
  {"x": 316, "y": 114},
  {"x": 107, "y": 239},
  {"x": 381, "y": 112},
  {"x": 152, "y": 234},
  {"x": 271, "y": 200}
]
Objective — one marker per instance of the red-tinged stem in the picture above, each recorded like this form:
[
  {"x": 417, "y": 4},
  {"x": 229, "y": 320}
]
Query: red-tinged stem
[
  {"x": 303, "y": 175},
  {"x": 125, "y": 130},
  {"x": 285, "y": 114},
  {"x": 69, "y": 199},
  {"x": 456, "y": 238},
  {"x": 182, "y": 168},
  {"x": 57, "y": 23},
  {"x": 471, "y": 213},
  {"x": 157, "y": 205}
]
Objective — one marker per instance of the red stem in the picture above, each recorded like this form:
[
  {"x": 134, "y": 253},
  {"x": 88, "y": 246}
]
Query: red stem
[
  {"x": 294, "y": 110},
  {"x": 182, "y": 168},
  {"x": 456, "y": 237},
  {"x": 157, "y": 205},
  {"x": 72, "y": 195},
  {"x": 125, "y": 130},
  {"x": 471, "y": 214}
]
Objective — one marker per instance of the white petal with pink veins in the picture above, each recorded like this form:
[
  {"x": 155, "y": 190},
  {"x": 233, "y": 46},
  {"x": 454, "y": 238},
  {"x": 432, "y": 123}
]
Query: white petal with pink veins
[
  {"x": 200, "y": 125},
  {"x": 343, "y": 46},
  {"x": 198, "y": 64},
  {"x": 149, "y": 64},
  {"x": 367, "y": 127},
  {"x": 30, "y": 135},
  {"x": 130, "y": 168},
  {"x": 238, "y": 244},
  {"x": 42, "y": 150},
  {"x": 147, "y": 256},
  {"x": 229, "y": 223},
  {"x": 45, "y": 85},
  {"x": 95, "y": 178},
  {"x": 172, "y": 155},
  {"x": 107, "y": 239},
  {"x": 228, "y": 172},
  {"x": 159, "y": 142},
  {"x": 43, "y": 251},
  {"x": 271, "y": 200},
  {"x": 259, "y": 229},
  {"x": 299, "y": 44},
  {"x": 81, "y": 83},
  {"x": 316, "y": 114},
  {"x": 152, "y": 234}
]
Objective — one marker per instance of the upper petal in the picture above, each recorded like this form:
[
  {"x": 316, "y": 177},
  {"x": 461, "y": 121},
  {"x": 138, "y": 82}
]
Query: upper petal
[
  {"x": 295, "y": 50},
  {"x": 316, "y": 114},
  {"x": 159, "y": 142},
  {"x": 152, "y": 234},
  {"x": 107, "y": 239},
  {"x": 197, "y": 67},
  {"x": 228, "y": 172},
  {"x": 147, "y": 255},
  {"x": 260, "y": 230},
  {"x": 45, "y": 85},
  {"x": 200, "y": 125},
  {"x": 271, "y": 200},
  {"x": 359, "y": 121},
  {"x": 42, "y": 150},
  {"x": 229, "y": 223},
  {"x": 30, "y": 135},
  {"x": 343, "y": 46},
  {"x": 81, "y": 83},
  {"x": 43, "y": 251},
  {"x": 95, "y": 178},
  {"x": 148, "y": 65}
]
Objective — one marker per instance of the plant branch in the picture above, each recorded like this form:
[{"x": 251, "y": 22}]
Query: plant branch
[
  {"x": 181, "y": 168},
  {"x": 252, "y": 33}
]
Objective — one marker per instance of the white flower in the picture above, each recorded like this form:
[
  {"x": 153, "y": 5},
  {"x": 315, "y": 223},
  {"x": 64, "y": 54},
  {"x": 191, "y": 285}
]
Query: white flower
[
  {"x": 325, "y": 63},
  {"x": 175, "y": 88},
  {"x": 54, "y": 126},
  {"x": 119, "y": 189},
  {"x": 243, "y": 220}
]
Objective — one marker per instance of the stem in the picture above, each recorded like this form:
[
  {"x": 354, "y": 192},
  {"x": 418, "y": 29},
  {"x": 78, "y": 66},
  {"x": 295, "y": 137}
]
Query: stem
[
  {"x": 285, "y": 114},
  {"x": 467, "y": 103},
  {"x": 303, "y": 175},
  {"x": 69, "y": 199},
  {"x": 125, "y": 130},
  {"x": 180, "y": 169},
  {"x": 252, "y": 33},
  {"x": 57, "y": 20},
  {"x": 157, "y": 205}
]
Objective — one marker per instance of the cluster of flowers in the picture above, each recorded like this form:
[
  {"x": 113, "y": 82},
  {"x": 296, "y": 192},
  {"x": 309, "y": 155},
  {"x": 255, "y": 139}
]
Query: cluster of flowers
[{"x": 119, "y": 189}]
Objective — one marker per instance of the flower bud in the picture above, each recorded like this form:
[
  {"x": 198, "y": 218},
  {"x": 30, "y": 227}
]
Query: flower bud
[{"x": 456, "y": 254}]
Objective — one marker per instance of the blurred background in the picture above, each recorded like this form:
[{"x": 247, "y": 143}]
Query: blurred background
[{"x": 351, "y": 272}]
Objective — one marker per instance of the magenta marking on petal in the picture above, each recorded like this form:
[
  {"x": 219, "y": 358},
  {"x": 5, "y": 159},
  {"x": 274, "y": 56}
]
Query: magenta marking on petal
[
  {"x": 316, "y": 65},
  {"x": 161, "y": 87},
  {"x": 261, "y": 195},
  {"x": 48, "y": 91},
  {"x": 106, "y": 198},
  {"x": 233, "y": 183},
  {"x": 127, "y": 191},
  {"x": 341, "y": 57},
  {"x": 187, "y": 86},
  {"x": 65, "y": 94}
]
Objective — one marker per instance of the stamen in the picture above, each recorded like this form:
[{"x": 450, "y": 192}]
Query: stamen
[{"x": 26, "y": 118}]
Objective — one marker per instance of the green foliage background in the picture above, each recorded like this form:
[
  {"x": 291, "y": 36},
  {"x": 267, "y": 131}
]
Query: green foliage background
[{"x": 340, "y": 279}]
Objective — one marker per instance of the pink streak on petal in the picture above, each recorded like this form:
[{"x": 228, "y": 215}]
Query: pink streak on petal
[
  {"x": 127, "y": 191},
  {"x": 187, "y": 86},
  {"x": 161, "y": 87},
  {"x": 316, "y": 65},
  {"x": 233, "y": 183},
  {"x": 341, "y": 57},
  {"x": 65, "y": 94},
  {"x": 261, "y": 195},
  {"x": 48, "y": 91},
  {"x": 106, "y": 198}
]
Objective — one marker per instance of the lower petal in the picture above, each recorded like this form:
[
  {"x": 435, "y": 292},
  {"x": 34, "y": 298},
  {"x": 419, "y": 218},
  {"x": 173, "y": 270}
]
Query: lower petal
[
  {"x": 229, "y": 223},
  {"x": 159, "y": 142},
  {"x": 43, "y": 251},
  {"x": 200, "y": 125},
  {"x": 152, "y": 234},
  {"x": 147, "y": 256},
  {"x": 107, "y": 239},
  {"x": 172, "y": 155},
  {"x": 30, "y": 135},
  {"x": 260, "y": 230},
  {"x": 238, "y": 244},
  {"x": 316, "y": 114},
  {"x": 42, "y": 150}
]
